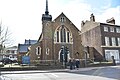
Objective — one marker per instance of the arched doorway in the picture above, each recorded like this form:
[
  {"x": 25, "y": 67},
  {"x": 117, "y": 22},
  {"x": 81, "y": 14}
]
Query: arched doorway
[{"x": 64, "y": 54}]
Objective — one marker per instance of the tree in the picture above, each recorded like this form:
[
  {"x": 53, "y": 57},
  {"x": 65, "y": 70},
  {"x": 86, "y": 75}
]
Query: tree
[{"x": 4, "y": 38}]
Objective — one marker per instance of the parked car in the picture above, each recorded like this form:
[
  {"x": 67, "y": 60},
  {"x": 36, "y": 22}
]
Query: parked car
[{"x": 6, "y": 61}]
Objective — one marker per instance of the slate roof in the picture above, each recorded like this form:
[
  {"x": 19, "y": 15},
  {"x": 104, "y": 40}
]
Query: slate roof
[
  {"x": 30, "y": 41},
  {"x": 22, "y": 48}
]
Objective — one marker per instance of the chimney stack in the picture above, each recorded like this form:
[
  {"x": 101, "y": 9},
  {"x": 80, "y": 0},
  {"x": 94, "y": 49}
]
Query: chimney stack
[
  {"x": 92, "y": 17},
  {"x": 82, "y": 23},
  {"x": 111, "y": 20}
]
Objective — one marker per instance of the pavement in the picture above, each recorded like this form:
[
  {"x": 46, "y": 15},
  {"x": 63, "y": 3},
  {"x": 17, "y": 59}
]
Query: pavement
[
  {"x": 14, "y": 65},
  {"x": 56, "y": 70},
  {"x": 100, "y": 73}
]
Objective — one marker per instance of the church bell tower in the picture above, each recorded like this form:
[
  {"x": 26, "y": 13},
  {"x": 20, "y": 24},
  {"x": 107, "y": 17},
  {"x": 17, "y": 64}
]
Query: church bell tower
[{"x": 46, "y": 16}]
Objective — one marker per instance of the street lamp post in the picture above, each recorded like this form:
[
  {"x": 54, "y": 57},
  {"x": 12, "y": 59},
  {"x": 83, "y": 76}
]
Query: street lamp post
[
  {"x": 85, "y": 55},
  {"x": 65, "y": 56},
  {"x": 64, "y": 53}
]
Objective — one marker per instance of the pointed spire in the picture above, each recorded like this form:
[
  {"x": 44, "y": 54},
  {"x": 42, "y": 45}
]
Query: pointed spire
[{"x": 46, "y": 12}]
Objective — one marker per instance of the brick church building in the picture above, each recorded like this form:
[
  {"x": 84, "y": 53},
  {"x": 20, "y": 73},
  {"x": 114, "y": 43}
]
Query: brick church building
[{"x": 58, "y": 35}]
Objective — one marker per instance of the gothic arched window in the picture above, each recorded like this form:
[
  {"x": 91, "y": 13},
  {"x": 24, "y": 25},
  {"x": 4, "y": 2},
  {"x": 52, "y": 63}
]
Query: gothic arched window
[{"x": 63, "y": 35}]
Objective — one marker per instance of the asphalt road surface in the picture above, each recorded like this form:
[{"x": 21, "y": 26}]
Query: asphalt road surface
[{"x": 102, "y": 73}]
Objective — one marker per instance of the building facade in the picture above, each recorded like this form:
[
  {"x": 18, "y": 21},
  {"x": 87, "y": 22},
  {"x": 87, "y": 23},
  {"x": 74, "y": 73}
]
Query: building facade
[
  {"x": 10, "y": 52},
  {"x": 57, "y": 36},
  {"x": 102, "y": 40},
  {"x": 24, "y": 48}
]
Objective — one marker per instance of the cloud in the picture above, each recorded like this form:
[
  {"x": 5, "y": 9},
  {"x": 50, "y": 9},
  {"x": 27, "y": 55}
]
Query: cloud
[
  {"x": 23, "y": 17},
  {"x": 109, "y": 13},
  {"x": 75, "y": 10}
]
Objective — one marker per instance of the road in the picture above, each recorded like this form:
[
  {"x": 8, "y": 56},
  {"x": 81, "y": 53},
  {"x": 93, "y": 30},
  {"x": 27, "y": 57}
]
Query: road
[
  {"x": 112, "y": 72},
  {"x": 101, "y": 73}
]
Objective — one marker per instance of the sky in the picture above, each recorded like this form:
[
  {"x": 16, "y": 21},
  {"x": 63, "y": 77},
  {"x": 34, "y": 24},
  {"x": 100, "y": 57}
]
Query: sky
[{"x": 23, "y": 17}]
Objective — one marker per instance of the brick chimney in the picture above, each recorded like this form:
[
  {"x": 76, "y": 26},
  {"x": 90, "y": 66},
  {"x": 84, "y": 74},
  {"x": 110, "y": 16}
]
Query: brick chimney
[
  {"x": 111, "y": 20},
  {"x": 82, "y": 23},
  {"x": 92, "y": 17}
]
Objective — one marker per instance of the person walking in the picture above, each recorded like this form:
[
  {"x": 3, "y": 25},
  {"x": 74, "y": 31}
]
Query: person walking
[
  {"x": 74, "y": 63},
  {"x": 77, "y": 63},
  {"x": 71, "y": 64}
]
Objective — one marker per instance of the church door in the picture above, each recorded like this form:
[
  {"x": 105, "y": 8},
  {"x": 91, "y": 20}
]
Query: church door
[{"x": 64, "y": 54}]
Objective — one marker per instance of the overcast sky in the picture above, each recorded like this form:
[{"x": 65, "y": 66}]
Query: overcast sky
[{"x": 23, "y": 17}]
